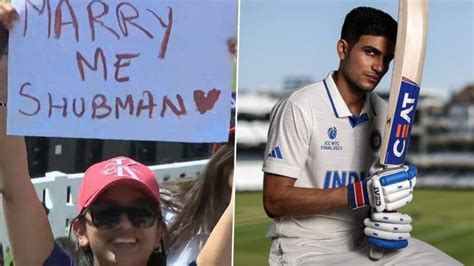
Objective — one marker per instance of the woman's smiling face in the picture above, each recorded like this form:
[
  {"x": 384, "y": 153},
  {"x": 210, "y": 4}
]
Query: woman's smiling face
[{"x": 131, "y": 238}]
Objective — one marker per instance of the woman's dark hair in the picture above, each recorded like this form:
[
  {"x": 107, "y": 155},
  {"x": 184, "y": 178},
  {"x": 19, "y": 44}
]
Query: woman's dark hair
[
  {"x": 3, "y": 40},
  {"x": 204, "y": 200},
  {"x": 368, "y": 21}
]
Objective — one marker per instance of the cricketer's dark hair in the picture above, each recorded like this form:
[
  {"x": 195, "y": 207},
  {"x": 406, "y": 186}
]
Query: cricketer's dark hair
[{"x": 368, "y": 21}]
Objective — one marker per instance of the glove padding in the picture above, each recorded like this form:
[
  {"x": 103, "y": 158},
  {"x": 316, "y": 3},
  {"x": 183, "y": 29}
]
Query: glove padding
[
  {"x": 388, "y": 230},
  {"x": 387, "y": 189}
]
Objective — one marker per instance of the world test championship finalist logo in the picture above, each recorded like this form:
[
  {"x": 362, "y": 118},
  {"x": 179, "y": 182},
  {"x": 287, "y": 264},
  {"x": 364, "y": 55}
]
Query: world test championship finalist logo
[
  {"x": 402, "y": 122},
  {"x": 332, "y": 132},
  {"x": 332, "y": 143}
]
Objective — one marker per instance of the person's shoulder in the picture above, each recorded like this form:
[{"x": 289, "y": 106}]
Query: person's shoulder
[
  {"x": 59, "y": 256},
  {"x": 379, "y": 104},
  {"x": 304, "y": 95},
  {"x": 375, "y": 97}
]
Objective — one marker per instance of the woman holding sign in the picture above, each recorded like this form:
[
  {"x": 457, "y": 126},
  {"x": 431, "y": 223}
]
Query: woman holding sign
[{"x": 119, "y": 218}]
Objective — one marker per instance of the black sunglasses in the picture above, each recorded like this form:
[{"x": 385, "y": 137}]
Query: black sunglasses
[{"x": 107, "y": 216}]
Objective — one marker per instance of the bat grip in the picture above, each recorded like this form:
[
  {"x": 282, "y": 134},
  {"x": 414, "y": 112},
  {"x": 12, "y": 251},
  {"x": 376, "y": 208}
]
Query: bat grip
[
  {"x": 379, "y": 245},
  {"x": 376, "y": 249}
]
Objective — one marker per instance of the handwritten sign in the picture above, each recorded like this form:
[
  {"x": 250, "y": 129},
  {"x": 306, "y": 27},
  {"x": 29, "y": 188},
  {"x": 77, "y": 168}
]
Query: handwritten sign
[{"x": 137, "y": 69}]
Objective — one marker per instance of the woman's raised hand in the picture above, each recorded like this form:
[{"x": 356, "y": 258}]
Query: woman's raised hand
[{"x": 8, "y": 15}]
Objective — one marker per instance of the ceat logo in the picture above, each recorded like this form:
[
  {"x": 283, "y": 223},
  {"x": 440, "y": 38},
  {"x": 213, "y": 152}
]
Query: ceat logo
[
  {"x": 402, "y": 128},
  {"x": 402, "y": 122},
  {"x": 378, "y": 202}
]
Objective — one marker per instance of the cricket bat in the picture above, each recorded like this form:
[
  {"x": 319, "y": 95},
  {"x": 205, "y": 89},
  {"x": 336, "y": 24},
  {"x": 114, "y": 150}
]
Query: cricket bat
[{"x": 405, "y": 86}]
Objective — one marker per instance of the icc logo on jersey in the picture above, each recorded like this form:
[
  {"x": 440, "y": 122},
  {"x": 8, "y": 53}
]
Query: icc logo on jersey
[
  {"x": 332, "y": 144},
  {"x": 332, "y": 132}
]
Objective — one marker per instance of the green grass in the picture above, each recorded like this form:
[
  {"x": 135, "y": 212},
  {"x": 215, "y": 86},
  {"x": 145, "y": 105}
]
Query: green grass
[{"x": 442, "y": 218}]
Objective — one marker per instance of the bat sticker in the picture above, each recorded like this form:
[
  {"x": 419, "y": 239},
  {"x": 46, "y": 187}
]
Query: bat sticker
[{"x": 403, "y": 119}]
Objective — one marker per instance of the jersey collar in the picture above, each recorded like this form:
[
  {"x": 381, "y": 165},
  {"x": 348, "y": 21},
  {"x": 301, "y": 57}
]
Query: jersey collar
[
  {"x": 339, "y": 107},
  {"x": 337, "y": 102}
]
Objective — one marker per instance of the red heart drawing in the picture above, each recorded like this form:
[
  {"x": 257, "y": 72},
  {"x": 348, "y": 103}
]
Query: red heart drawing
[{"x": 204, "y": 103}]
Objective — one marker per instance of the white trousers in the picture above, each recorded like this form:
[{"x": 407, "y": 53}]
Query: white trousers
[{"x": 298, "y": 251}]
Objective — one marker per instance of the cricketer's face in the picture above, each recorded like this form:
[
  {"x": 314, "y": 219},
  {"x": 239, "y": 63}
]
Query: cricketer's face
[{"x": 367, "y": 61}]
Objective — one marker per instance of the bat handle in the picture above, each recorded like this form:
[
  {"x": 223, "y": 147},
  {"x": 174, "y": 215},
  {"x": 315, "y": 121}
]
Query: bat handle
[
  {"x": 376, "y": 253},
  {"x": 377, "y": 250},
  {"x": 379, "y": 245}
]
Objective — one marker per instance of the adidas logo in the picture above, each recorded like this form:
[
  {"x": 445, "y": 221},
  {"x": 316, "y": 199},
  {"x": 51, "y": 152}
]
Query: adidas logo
[{"x": 276, "y": 153}]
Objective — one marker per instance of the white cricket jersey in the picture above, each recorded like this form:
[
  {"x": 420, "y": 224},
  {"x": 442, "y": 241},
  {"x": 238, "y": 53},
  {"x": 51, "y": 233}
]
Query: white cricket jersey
[{"x": 315, "y": 139}]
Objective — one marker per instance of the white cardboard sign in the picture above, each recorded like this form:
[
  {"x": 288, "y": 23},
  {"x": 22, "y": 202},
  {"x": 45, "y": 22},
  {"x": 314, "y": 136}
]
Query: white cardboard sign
[{"x": 137, "y": 69}]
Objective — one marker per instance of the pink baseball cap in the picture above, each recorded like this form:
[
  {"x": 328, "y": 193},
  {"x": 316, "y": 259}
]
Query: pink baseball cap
[{"x": 118, "y": 170}]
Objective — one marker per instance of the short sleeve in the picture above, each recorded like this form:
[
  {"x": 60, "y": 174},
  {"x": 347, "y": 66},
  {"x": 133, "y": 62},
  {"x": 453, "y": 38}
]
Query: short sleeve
[
  {"x": 288, "y": 140},
  {"x": 58, "y": 257}
]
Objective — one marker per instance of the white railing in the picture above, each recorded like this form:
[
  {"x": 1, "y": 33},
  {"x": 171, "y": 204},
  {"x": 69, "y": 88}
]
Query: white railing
[{"x": 58, "y": 191}]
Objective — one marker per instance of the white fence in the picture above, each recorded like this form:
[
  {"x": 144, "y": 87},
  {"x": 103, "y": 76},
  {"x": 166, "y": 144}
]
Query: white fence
[{"x": 58, "y": 191}]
